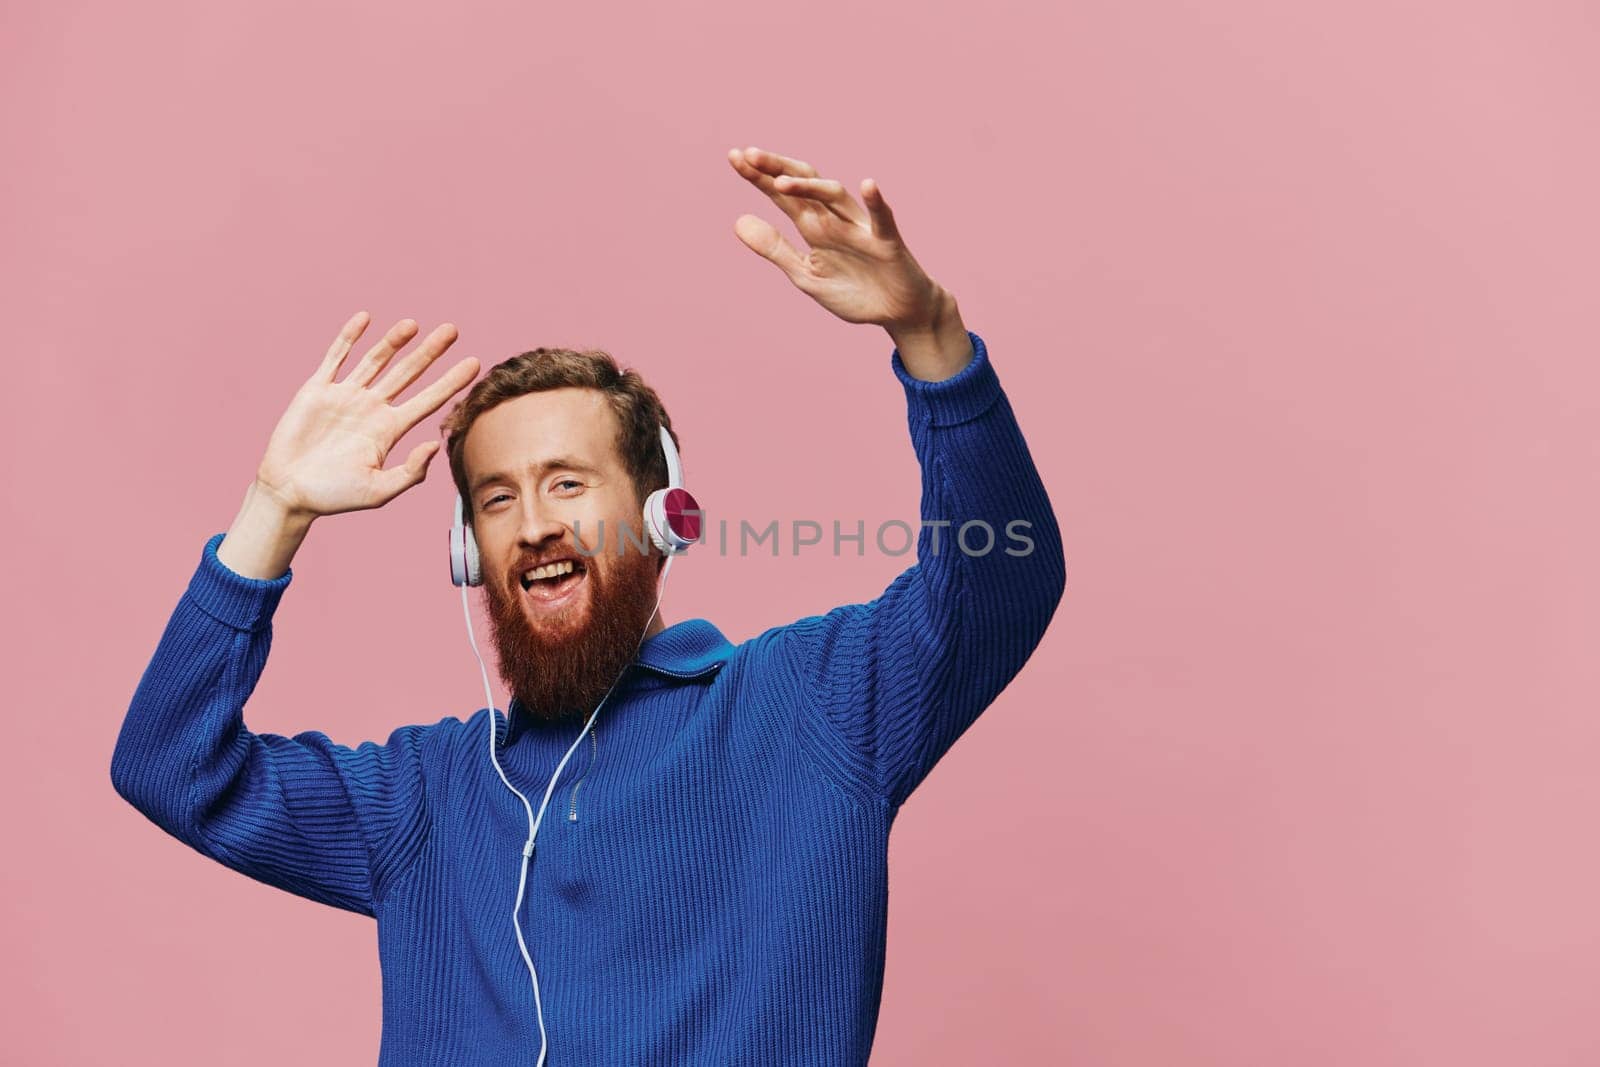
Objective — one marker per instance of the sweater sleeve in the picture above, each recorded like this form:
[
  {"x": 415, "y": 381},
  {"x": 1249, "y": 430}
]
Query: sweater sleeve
[
  {"x": 898, "y": 680},
  {"x": 327, "y": 822}
]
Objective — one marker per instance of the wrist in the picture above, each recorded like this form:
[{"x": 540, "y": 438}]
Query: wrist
[
  {"x": 264, "y": 536},
  {"x": 267, "y": 499},
  {"x": 938, "y": 347}
]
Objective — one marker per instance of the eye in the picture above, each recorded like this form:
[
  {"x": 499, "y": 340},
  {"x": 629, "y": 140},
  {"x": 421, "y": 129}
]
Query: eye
[
  {"x": 491, "y": 500},
  {"x": 569, "y": 481}
]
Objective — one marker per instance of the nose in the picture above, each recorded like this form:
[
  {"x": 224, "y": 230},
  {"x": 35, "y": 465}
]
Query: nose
[{"x": 539, "y": 524}]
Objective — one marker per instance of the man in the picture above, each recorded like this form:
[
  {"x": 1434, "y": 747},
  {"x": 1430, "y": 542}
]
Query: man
[{"x": 711, "y": 887}]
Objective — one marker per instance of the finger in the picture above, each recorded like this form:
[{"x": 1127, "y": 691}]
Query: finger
[
  {"x": 393, "y": 341},
  {"x": 761, "y": 237},
  {"x": 878, "y": 209},
  {"x": 825, "y": 191},
  {"x": 774, "y": 164},
  {"x": 396, "y": 480},
  {"x": 791, "y": 206},
  {"x": 433, "y": 397},
  {"x": 348, "y": 335},
  {"x": 409, "y": 369}
]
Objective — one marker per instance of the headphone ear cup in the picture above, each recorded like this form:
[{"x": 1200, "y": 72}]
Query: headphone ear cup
[
  {"x": 672, "y": 518},
  {"x": 656, "y": 526},
  {"x": 464, "y": 566},
  {"x": 474, "y": 569}
]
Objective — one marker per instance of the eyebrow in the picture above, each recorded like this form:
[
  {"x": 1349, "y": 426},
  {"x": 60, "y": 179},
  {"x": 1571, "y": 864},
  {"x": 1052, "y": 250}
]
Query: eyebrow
[{"x": 570, "y": 463}]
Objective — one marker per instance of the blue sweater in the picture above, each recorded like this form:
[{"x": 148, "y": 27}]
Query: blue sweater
[{"x": 711, "y": 882}]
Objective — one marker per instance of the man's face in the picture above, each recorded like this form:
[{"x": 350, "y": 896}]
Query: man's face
[{"x": 546, "y": 480}]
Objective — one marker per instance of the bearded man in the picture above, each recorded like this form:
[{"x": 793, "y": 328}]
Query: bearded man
[{"x": 713, "y": 886}]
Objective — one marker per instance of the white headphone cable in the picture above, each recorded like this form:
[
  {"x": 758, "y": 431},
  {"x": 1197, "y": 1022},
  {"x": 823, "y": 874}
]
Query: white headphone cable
[{"x": 534, "y": 821}]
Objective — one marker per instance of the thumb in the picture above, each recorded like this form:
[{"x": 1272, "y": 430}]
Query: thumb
[
  {"x": 763, "y": 238},
  {"x": 396, "y": 480}
]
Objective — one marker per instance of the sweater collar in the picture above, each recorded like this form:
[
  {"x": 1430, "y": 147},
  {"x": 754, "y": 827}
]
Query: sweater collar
[
  {"x": 690, "y": 650},
  {"x": 687, "y": 649}
]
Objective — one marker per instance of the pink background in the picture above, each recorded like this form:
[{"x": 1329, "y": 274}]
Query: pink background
[{"x": 1295, "y": 304}]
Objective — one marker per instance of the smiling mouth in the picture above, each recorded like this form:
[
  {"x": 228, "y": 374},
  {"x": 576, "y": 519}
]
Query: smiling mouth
[{"x": 555, "y": 583}]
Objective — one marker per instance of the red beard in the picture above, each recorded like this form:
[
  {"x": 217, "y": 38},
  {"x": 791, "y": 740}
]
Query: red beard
[{"x": 558, "y": 668}]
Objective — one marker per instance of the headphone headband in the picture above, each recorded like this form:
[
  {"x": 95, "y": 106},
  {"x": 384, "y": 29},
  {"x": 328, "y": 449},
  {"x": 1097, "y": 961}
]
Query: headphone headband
[{"x": 674, "y": 468}]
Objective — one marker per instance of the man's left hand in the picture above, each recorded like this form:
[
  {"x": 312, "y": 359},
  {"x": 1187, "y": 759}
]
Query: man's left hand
[{"x": 858, "y": 267}]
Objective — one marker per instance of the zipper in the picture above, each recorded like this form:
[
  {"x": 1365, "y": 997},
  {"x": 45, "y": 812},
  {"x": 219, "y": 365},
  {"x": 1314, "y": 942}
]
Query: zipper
[
  {"x": 681, "y": 674},
  {"x": 594, "y": 752},
  {"x": 594, "y": 743}
]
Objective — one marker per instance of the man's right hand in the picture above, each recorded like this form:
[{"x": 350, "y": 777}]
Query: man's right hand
[{"x": 327, "y": 453}]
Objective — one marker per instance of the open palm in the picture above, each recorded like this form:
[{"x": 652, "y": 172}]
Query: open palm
[{"x": 327, "y": 452}]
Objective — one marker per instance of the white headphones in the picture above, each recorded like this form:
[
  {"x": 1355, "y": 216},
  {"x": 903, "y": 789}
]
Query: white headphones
[{"x": 672, "y": 518}]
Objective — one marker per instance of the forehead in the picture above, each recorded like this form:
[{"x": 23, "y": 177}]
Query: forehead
[{"x": 530, "y": 429}]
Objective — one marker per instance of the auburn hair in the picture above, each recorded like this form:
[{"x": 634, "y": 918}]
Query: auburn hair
[{"x": 637, "y": 408}]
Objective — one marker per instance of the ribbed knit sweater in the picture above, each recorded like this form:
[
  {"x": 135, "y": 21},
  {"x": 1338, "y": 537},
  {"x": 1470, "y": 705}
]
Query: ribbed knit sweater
[{"x": 710, "y": 884}]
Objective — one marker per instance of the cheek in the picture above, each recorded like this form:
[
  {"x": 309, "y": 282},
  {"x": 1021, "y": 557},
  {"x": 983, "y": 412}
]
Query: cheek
[
  {"x": 497, "y": 552},
  {"x": 623, "y": 528},
  {"x": 491, "y": 545}
]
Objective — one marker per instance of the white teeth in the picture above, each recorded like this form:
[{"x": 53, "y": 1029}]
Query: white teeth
[{"x": 549, "y": 570}]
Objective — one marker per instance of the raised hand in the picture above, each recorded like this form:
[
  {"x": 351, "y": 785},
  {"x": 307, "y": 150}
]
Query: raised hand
[
  {"x": 857, "y": 266},
  {"x": 327, "y": 453}
]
